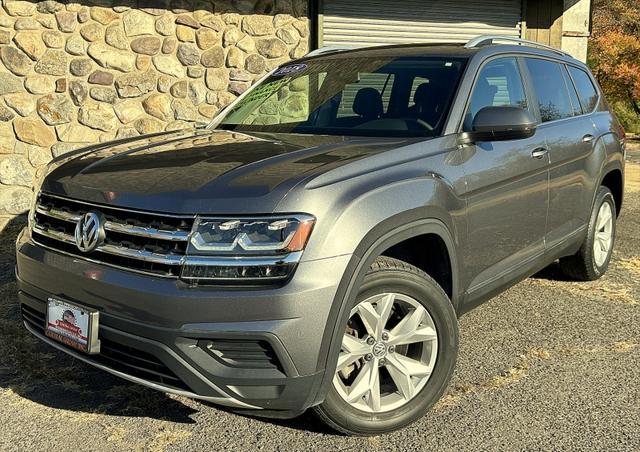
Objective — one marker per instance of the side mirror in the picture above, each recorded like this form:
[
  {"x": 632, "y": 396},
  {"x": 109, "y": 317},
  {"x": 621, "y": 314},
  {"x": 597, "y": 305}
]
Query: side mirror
[{"x": 500, "y": 124}]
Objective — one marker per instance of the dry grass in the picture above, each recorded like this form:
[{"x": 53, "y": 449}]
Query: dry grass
[
  {"x": 166, "y": 437},
  {"x": 614, "y": 292},
  {"x": 623, "y": 346},
  {"x": 601, "y": 290},
  {"x": 116, "y": 434},
  {"x": 631, "y": 265},
  {"x": 604, "y": 289},
  {"x": 608, "y": 288},
  {"x": 518, "y": 372},
  {"x": 152, "y": 440},
  {"x": 632, "y": 177}
]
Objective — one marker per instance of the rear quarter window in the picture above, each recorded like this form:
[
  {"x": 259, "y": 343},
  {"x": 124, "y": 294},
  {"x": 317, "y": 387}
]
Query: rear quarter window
[{"x": 584, "y": 86}]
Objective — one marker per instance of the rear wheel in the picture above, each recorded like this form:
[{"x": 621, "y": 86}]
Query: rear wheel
[
  {"x": 398, "y": 352},
  {"x": 592, "y": 260}
]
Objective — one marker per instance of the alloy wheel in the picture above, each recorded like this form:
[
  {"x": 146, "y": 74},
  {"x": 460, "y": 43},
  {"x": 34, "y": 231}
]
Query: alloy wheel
[
  {"x": 603, "y": 235},
  {"x": 388, "y": 353}
]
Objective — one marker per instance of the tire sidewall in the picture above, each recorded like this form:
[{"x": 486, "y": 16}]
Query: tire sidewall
[
  {"x": 604, "y": 195},
  {"x": 430, "y": 295}
]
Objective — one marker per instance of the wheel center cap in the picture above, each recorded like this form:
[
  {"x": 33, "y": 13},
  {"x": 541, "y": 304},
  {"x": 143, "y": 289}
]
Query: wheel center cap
[{"x": 379, "y": 349}]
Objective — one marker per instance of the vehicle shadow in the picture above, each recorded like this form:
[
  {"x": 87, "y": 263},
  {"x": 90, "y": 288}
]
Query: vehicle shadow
[
  {"x": 306, "y": 422},
  {"x": 553, "y": 273},
  {"x": 31, "y": 370}
]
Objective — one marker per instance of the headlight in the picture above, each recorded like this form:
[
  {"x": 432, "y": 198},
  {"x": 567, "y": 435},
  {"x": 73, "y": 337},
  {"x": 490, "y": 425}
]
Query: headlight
[{"x": 244, "y": 249}]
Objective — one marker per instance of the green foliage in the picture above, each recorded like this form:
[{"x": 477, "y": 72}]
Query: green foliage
[{"x": 629, "y": 119}]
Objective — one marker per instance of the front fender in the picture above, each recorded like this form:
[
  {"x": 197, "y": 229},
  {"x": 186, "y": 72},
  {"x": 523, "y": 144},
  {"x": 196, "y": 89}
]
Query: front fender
[{"x": 358, "y": 212}]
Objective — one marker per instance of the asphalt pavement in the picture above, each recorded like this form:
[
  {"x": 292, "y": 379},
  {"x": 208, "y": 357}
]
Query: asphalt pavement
[{"x": 549, "y": 364}]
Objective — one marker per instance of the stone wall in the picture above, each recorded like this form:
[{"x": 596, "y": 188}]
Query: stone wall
[{"x": 86, "y": 72}]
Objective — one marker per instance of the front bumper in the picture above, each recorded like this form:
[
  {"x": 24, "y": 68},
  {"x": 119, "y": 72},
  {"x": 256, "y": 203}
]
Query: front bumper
[{"x": 247, "y": 348}]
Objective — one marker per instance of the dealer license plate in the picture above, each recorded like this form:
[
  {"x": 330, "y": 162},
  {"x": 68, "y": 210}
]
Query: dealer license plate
[{"x": 72, "y": 325}]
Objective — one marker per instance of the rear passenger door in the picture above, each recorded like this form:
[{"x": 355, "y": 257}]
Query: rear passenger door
[
  {"x": 507, "y": 187},
  {"x": 570, "y": 136}
]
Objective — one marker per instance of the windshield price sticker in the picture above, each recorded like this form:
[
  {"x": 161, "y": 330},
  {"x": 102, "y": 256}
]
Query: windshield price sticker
[{"x": 289, "y": 70}]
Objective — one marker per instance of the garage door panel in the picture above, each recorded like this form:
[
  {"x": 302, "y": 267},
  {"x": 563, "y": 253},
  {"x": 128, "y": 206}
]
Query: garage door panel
[{"x": 382, "y": 23}]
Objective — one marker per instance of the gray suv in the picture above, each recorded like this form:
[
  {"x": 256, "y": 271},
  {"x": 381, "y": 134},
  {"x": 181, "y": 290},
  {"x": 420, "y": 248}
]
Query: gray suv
[{"x": 315, "y": 245}]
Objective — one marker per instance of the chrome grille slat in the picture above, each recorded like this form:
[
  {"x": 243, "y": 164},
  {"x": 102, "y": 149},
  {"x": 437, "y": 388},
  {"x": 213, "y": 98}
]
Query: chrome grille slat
[
  {"x": 117, "y": 250},
  {"x": 151, "y": 233},
  {"x": 143, "y": 255},
  {"x": 144, "y": 242},
  {"x": 59, "y": 214},
  {"x": 63, "y": 237}
]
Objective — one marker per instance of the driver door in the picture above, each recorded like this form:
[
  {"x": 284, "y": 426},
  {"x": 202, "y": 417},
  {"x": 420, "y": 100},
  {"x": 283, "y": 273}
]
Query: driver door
[{"x": 506, "y": 189}]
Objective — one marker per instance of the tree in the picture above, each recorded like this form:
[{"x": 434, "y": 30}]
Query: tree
[{"x": 614, "y": 50}]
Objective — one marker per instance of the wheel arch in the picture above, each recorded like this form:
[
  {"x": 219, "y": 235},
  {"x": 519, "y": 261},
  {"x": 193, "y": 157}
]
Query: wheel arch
[
  {"x": 613, "y": 179},
  {"x": 390, "y": 232}
]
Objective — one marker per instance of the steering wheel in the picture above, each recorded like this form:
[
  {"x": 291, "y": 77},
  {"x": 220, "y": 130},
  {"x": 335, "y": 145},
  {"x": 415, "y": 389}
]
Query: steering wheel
[
  {"x": 420, "y": 122},
  {"x": 425, "y": 124}
]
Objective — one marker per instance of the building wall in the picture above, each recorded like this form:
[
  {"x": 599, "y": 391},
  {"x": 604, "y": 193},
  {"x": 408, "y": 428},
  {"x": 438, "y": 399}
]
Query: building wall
[
  {"x": 78, "y": 73},
  {"x": 543, "y": 21},
  {"x": 575, "y": 27}
]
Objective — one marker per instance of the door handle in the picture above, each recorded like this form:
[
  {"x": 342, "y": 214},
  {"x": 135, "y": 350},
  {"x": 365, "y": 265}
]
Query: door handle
[
  {"x": 539, "y": 153},
  {"x": 588, "y": 138}
]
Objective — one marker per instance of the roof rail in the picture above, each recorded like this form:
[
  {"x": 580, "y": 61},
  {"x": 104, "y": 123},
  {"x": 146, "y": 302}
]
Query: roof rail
[
  {"x": 489, "y": 39},
  {"x": 328, "y": 49}
]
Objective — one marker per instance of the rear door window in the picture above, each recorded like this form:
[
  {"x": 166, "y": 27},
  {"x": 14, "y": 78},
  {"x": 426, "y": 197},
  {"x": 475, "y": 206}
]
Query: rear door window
[
  {"x": 586, "y": 91},
  {"x": 550, "y": 85}
]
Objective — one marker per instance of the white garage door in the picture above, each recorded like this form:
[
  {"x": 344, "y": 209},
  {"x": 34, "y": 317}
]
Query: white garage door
[{"x": 368, "y": 23}]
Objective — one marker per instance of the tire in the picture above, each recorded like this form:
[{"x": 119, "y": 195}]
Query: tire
[
  {"x": 587, "y": 264},
  {"x": 411, "y": 288}
]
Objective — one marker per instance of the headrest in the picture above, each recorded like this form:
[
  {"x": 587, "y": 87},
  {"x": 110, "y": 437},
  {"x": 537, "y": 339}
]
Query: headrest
[
  {"x": 487, "y": 88},
  {"x": 368, "y": 103},
  {"x": 422, "y": 94}
]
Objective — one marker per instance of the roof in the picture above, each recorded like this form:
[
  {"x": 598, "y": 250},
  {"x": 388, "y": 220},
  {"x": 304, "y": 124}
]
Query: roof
[
  {"x": 397, "y": 50},
  {"x": 441, "y": 49}
]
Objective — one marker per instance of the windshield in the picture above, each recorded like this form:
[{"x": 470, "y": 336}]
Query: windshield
[{"x": 407, "y": 96}]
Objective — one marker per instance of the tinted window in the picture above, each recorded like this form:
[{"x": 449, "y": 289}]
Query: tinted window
[
  {"x": 586, "y": 91},
  {"x": 499, "y": 84},
  {"x": 551, "y": 89}
]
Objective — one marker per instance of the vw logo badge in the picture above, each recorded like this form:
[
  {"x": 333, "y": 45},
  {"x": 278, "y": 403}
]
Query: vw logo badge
[
  {"x": 379, "y": 349},
  {"x": 89, "y": 232}
]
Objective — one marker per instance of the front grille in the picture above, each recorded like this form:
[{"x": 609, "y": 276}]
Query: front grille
[
  {"x": 139, "y": 241},
  {"x": 243, "y": 354},
  {"x": 120, "y": 357}
]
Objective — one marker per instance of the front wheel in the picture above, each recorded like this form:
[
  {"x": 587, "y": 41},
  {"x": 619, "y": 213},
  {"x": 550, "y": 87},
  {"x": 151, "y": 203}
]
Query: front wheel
[{"x": 398, "y": 352}]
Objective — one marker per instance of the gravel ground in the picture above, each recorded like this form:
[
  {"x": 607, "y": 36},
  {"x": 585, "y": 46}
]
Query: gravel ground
[{"x": 549, "y": 364}]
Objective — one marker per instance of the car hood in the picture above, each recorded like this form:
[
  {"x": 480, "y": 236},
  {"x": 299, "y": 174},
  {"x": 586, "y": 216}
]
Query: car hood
[{"x": 204, "y": 171}]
